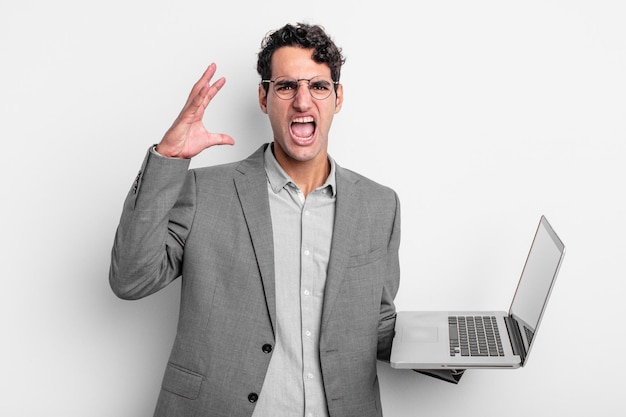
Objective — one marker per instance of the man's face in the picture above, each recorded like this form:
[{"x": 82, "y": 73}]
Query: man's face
[{"x": 300, "y": 124}]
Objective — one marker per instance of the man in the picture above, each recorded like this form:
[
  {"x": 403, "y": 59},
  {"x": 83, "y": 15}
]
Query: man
[{"x": 289, "y": 262}]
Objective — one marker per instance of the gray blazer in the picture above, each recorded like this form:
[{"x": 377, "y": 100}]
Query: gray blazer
[{"x": 212, "y": 227}]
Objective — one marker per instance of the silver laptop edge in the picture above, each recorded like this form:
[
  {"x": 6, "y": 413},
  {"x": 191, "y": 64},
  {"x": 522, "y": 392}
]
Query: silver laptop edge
[{"x": 522, "y": 331}]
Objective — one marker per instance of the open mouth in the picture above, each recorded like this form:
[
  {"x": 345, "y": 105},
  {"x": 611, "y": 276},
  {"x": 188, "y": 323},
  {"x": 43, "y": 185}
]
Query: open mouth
[{"x": 303, "y": 128}]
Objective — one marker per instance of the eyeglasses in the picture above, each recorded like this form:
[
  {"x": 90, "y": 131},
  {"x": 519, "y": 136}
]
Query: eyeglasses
[{"x": 286, "y": 88}]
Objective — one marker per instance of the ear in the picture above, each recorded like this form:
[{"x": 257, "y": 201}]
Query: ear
[
  {"x": 339, "y": 98},
  {"x": 262, "y": 98}
]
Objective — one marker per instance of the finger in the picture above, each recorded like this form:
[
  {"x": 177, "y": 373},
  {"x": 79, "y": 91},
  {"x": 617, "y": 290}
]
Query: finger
[
  {"x": 212, "y": 91},
  {"x": 219, "y": 139},
  {"x": 199, "y": 89},
  {"x": 196, "y": 105},
  {"x": 205, "y": 79}
]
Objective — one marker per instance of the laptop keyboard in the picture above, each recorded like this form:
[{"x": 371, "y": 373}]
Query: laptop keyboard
[{"x": 474, "y": 336}]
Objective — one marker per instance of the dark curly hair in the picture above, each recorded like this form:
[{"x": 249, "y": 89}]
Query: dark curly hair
[{"x": 304, "y": 36}]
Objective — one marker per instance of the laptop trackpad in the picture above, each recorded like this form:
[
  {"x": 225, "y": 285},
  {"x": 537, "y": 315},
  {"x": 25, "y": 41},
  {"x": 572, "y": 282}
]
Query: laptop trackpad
[{"x": 420, "y": 334}]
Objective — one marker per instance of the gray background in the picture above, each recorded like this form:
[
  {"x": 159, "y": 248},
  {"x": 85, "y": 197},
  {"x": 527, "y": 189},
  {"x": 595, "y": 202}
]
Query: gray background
[{"x": 482, "y": 115}]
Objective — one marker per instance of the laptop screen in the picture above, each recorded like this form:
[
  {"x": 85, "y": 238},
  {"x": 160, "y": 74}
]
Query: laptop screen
[{"x": 534, "y": 287}]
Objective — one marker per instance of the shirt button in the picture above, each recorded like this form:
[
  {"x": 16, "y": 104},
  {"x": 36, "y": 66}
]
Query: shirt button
[
  {"x": 267, "y": 348},
  {"x": 310, "y": 376},
  {"x": 306, "y": 213},
  {"x": 306, "y": 292},
  {"x": 253, "y": 397},
  {"x": 307, "y": 253},
  {"x": 308, "y": 333}
]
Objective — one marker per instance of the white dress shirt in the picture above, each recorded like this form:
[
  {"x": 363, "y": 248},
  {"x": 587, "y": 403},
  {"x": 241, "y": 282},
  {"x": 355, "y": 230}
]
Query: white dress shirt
[{"x": 302, "y": 231}]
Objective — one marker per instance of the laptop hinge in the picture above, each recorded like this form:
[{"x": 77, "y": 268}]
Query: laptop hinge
[{"x": 516, "y": 337}]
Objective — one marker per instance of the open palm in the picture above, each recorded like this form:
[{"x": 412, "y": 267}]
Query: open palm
[{"x": 188, "y": 136}]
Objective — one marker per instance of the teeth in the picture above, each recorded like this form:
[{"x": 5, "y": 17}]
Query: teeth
[{"x": 308, "y": 119}]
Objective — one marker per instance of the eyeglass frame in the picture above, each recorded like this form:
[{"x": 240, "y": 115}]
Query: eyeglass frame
[{"x": 334, "y": 83}]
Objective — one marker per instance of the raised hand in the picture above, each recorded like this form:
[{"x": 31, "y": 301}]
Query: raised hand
[{"x": 187, "y": 136}]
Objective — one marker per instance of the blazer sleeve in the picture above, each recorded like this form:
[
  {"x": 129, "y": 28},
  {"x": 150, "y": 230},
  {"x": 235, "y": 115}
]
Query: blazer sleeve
[
  {"x": 387, "y": 318},
  {"x": 156, "y": 217}
]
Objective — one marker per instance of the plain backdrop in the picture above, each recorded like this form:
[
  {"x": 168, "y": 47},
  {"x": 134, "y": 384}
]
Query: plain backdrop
[{"x": 482, "y": 115}]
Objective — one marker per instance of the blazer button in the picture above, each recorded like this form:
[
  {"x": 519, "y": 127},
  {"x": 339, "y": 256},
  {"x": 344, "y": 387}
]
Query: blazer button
[
  {"x": 267, "y": 348},
  {"x": 136, "y": 183},
  {"x": 253, "y": 397}
]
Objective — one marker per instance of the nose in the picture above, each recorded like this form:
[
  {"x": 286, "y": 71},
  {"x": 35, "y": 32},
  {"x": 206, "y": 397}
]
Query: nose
[{"x": 302, "y": 100}]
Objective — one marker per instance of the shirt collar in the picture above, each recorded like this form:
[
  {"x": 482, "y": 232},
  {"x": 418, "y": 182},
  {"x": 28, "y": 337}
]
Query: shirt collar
[{"x": 278, "y": 178}]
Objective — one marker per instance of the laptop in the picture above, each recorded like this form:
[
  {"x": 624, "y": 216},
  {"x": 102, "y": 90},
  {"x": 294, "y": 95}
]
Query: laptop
[{"x": 483, "y": 339}]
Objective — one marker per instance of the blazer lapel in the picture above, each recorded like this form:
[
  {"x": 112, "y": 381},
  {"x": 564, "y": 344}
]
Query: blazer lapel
[
  {"x": 345, "y": 225},
  {"x": 251, "y": 188}
]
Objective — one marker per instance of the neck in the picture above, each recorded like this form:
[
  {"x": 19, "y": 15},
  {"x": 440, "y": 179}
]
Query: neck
[{"x": 308, "y": 175}]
